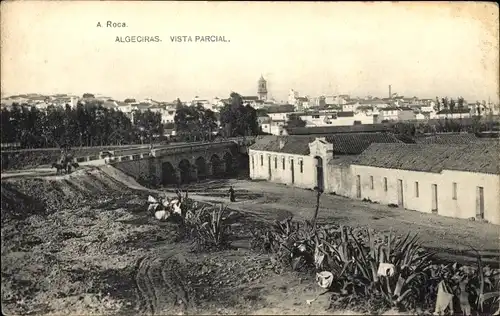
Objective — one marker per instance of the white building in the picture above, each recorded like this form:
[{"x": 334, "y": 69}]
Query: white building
[
  {"x": 396, "y": 114},
  {"x": 455, "y": 114},
  {"x": 168, "y": 116},
  {"x": 333, "y": 118},
  {"x": 428, "y": 178},
  {"x": 273, "y": 127}
]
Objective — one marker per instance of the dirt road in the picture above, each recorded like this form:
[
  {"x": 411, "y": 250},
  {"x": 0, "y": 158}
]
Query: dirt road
[
  {"x": 84, "y": 244},
  {"x": 452, "y": 238}
]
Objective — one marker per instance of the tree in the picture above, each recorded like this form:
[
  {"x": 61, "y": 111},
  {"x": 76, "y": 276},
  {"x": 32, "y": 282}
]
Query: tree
[
  {"x": 88, "y": 95},
  {"x": 452, "y": 105},
  {"x": 129, "y": 101},
  {"x": 194, "y": 121},
  {"x": 237, "y": 119},
  {"x": 438, "y": 105},
  {"x": 445, "y": 103},
  {"x": 295, "y": 121},
  {"x": 149, "y": 124}
]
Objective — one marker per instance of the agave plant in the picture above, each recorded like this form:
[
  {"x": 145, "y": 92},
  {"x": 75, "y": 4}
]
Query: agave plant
[
  {"x": 210, "y": 227},
  {"x": 395, "y": 270}
]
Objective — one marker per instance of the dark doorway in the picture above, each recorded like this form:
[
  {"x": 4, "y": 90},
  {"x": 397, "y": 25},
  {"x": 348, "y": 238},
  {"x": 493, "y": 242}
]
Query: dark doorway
[
  {"x": 228, "y": 163},
  {"x": 168, "y": 175},
  {"x": 292, "y": 170},
  {"x": 434, "y": 198},
  {"x": 320, "y": 182},
  {"x": 269, "y": 174},
  {"x": 201, "y": 166},
  {"x": 216, "y": 165},
  {"x": 480, "y": 203},
  {"x": 400, "y": 193},
  {"x": 358, "y": 186},
  {"x": 185, "y": 168}
]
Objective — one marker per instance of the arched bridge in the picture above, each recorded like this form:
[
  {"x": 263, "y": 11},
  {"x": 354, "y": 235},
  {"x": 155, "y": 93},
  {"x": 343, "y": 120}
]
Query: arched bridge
[{"x": 177, "y": 164}]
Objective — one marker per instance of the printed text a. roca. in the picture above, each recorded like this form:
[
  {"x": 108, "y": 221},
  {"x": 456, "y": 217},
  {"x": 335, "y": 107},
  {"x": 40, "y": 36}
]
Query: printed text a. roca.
[{"x": 112, "y": 24}]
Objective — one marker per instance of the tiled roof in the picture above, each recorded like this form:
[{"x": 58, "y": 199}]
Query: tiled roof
[
  {"x": 343, "y": 144},
  {"x": 462, "y": 138},
  {"x": 354, "y": 144},
  {"x": 298, "y": 145},
  {"x": 373, "y": 101},
  {"x": 345, "y": 114},
  {"x": 281, "y": 108},
  {"x": 473, "y": 157},
  {"x": 321, "y": 130},
  {"x": 365, "y": 107}
]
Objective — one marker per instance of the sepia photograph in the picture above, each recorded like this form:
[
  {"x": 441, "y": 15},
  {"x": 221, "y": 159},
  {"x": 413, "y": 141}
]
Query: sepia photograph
[{"x": 250, "y": 158}]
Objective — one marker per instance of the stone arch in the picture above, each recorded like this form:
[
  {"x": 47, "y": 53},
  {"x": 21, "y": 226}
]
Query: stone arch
[
  {"x": 201, "y": 166},
  {"x": 185, "y": 171},
  {"x": 228, "y": 163},
  {"x": 168, "y": 174},
  {"x": 216, "y": 165}
]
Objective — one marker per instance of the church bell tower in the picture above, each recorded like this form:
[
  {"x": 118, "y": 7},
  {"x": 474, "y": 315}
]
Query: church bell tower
[{"x": 262, "y": 88}]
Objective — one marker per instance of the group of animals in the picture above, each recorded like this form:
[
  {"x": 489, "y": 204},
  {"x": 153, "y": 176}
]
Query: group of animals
[{"x": 65, "y": 164}]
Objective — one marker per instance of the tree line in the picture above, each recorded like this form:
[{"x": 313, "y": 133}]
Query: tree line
[
  {"x": 88, "y": 124},
  {"x": 91, "y": 124},
  {"x": 197, "y": 123},
  {"x": 453, "y": 105}
]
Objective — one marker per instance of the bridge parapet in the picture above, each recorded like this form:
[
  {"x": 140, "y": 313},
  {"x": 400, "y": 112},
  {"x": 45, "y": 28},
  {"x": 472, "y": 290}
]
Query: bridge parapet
[
  {"x": 143, "y": 152},
  {"x": 189, "y": 148}
]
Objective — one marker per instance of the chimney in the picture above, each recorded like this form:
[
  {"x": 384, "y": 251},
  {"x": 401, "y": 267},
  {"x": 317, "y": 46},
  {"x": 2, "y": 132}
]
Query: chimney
[
  {"x": 390, "y": 94},
  {"x": 282, "y": 143}
]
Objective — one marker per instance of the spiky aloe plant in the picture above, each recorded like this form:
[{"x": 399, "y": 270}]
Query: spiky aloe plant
[{"x": 210, "y": 227}]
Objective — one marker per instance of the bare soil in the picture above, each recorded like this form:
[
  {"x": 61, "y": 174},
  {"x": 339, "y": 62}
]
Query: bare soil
[{"x": 84, "y": 244}]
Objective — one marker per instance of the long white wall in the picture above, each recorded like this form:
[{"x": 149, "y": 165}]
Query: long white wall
[
  {"x": 457, "y": 191},
  {"x": 464, "y": 206},
  {"x": 266, "y": 169}
]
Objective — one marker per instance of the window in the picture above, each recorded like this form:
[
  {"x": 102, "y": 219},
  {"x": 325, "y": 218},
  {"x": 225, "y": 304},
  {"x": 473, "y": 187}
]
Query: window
[
  {"x": 385, "y": 184},
  {"x": 261, "y": 160},
  {"x": 371, "y": 182},
  {"x": 301, "y": 163},
  {"x": 283, "y": 162},
  {"x": 454, "y": 193},
  {"x": 253, "y": 162},
  {"x": 416, "y": 189},
  {"x": 275, "y": 162}
]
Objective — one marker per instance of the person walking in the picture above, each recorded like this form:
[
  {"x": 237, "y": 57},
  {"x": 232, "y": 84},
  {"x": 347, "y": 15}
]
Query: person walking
[{"x": 231, "y": 194}]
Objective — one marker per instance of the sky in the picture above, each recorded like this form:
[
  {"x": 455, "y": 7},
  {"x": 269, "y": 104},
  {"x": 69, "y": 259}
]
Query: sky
[{"x": 421, "y": 49}]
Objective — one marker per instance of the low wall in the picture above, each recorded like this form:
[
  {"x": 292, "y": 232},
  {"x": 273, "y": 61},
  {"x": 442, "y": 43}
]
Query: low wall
[
  {"x": 145, "y": 171},
  {"x": 23, "y": 159}
]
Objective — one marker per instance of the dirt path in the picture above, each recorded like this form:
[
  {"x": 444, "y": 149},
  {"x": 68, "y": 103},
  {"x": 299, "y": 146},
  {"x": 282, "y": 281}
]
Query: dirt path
[
  {"x": 99, "y": 251},
  {"x": 451, "y": 237}
]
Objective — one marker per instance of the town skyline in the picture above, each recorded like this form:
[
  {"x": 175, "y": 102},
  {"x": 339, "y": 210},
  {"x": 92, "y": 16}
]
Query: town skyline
[{"x": 421, "y": 50}]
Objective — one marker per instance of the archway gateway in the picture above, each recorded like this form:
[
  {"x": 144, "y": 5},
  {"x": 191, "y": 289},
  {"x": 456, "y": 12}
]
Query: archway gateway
[
  {"x": 320, "y": 179},
  {"x": 228, "y": 163},
  {"x": 216, "y": 165},
  {"x": 201, "y": 166},
  {"x": 185, "y": 169},
  {"x": 168, "y": 175}
]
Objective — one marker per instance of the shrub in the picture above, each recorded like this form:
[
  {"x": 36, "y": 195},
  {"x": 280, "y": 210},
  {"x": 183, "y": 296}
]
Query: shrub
[{"x": 209, "y": 227}]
